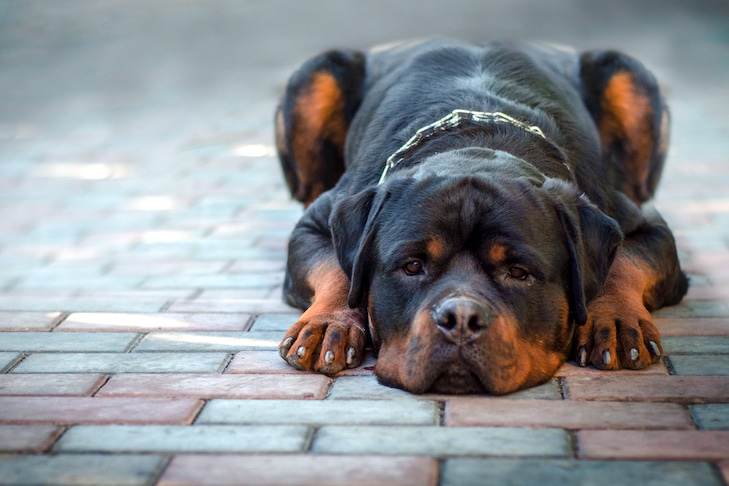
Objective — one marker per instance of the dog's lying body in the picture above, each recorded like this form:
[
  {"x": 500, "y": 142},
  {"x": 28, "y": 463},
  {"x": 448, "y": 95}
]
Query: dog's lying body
[{"x": 498, "y": 242}]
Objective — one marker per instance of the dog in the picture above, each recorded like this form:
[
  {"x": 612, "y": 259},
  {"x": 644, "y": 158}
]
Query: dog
[{"x": 475, "y": 214}]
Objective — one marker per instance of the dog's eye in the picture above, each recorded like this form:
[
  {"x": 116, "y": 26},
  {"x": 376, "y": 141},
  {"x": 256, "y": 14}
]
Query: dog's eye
[
  {"x": 518, "y": 273},
  {"x": 413, "y": 267}
]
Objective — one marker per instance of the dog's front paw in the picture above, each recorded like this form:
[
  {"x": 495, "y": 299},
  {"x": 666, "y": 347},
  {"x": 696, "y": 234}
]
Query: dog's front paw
[
  {"x": 325, "y": 342},
  {"x": 619, "y": 333}
]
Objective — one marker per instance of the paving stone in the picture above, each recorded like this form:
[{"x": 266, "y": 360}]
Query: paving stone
[
  {"x": 274, "y": 322},
  {"x": 320, "y": 412},
  {"x": 123, "y": 363},
  {"x": 704, "y": 326},
  {"x": 260, "y": 362},
  {"x": 94, "y": 410},
  {"x": 572, "y": 369},
  {"x": 176, "y": 439},
  {"x": 724, "y": 470},
  {"x": 50, "y": 384},
  {"x": 6, "y": 359},
  {"x": 696, "y": 308},
  {"x": 244, "y": 306},
  {"x": 367, "y": 387},
  {"x": 441, "y": 441},
  {"x": 27, "y": 438},
  {"x": 566, "y": 472},
  {"x": 567, "y": 414},
  {"x": 682, "y": 389},
  {"x": 694, "y": 364},
  {"x": 673, "y": 345},
  {"x": 28, "y": 321},
  {"x": 713, "y": 416},
  {"x": 54, "y": 341},
  {"x": 92, "y": 470},
  {"x": 55, "y": 303},
  {"x": 221, "y": 281},
  {"x": 299, "y": 470},
  {"x": 672, "y": 445},
  {"x": 299, "y": 386},
  {"x": 209, "y": 341},
  {"x": 154, "y": 322}
]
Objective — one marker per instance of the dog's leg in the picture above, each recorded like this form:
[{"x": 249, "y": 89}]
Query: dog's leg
[
  {"x": 312, "y": 121},
  {"x": 329, "y": 336},
  {"x": 633, "y": 124},
  {"x": 645, "y": 276},
  {"x": 631, "y": 118}
]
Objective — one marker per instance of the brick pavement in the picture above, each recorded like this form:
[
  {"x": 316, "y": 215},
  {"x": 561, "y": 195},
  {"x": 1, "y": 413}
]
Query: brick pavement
[{"x": 143, "y": 225}]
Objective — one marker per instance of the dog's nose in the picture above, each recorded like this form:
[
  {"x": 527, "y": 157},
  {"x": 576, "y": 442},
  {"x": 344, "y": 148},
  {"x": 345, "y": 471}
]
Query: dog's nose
[{"x": 461, "y": 319}]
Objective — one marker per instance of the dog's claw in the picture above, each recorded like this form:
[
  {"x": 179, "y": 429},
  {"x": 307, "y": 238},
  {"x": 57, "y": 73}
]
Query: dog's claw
[
  {"x": 634, "y": 354},
  {"x": 350, "y": 355},
  {"x": 329, "y": 357},
  {"x": 606, "y": 358},
  {"x": 582, "y": 356},
  {"x": 284, "y": 347},
  {"x": 654, "y": 348},
  {"x": 301, "y": 351}
]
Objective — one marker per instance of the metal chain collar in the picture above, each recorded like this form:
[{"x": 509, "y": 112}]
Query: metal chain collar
[{"x": 455, "y": 119}]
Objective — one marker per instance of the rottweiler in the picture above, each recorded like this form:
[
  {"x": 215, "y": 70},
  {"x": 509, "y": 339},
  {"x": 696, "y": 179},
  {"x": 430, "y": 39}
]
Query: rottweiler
[{"x": 475, "y": 213}]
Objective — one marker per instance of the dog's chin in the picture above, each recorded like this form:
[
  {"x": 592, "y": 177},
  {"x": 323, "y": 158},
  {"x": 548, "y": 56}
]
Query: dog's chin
[{"x": 457, "y": 382}]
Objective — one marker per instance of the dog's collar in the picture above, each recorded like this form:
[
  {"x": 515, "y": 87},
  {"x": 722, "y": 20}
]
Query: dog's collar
[{"x": 455, "y": 119}]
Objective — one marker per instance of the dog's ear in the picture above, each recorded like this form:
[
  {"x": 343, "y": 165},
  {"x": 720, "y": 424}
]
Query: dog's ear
[
  {"x": 353, "y": 225},
  {"x": 631, "y": 118},
  {"x": 592, "y": 239},
  {"x": 313, "y": 119}
]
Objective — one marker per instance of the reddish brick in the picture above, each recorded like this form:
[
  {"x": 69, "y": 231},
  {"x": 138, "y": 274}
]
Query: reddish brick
[
  {"x": 292, "y": 386},
  {"x": 93, "y": 410},
  {"x": 27, "y": 438},
  {"x": 28, "y": 321},
  {"x": 51, "y": 384},
  {"x": 724, "y": 468},
  {"x": 300, "y": 469},
  {"x": 270, "y": 362},
  {"x": 154, "y": 322},
  {"x": 571, "y": 369},
  {"x": 674, "y": 445},
  {"x": 693, "y": 326},
  {"x": 566, "y": 414},
  {"x": 646, "y": 388}
]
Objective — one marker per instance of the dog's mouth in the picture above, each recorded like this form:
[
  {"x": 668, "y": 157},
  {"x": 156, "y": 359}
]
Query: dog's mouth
[{"x": 458, "y": 380}]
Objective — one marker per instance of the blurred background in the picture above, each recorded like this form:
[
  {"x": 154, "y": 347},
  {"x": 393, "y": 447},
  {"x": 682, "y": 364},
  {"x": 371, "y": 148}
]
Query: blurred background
[{"x": 138, "y": 131}]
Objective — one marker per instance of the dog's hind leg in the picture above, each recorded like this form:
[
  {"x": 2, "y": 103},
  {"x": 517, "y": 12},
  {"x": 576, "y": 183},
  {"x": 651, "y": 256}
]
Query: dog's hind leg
[
  {"x": 631, "y": 117},
  {"x": 312, "y": 121}
]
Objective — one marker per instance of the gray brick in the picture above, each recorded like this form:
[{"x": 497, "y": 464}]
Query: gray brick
[
  {"x": 210, "y": 341},
  {"x": 92, "y": 470},
  {"x": 54, "y": 303},
  {"x": 367, "y": 387},
  {"x": 441, "y": 441},
  {"x": 222, "y": 281},
  {"x": 320, "y": 412},
  {"x": 123, "y": 363},
  {"x": 694, "y": 308},
  {"x": 695, "y": 344},
  {"x": 175, "y": 439},
  {"x": 700, "y": 364},
  {"x": 274, "y": 322},
  {"x": 6, "y": 359},
  {"x": 713, "y": 416},
  {"x": 551, "y": 472},
  {"x": 65, "y": 342}
]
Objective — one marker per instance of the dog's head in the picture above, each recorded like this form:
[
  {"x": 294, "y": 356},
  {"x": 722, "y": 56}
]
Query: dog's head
[{"x": 473, "y": 280}]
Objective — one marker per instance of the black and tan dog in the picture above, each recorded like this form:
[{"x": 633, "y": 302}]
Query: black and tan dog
[{"x": 475, "y": 213}]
